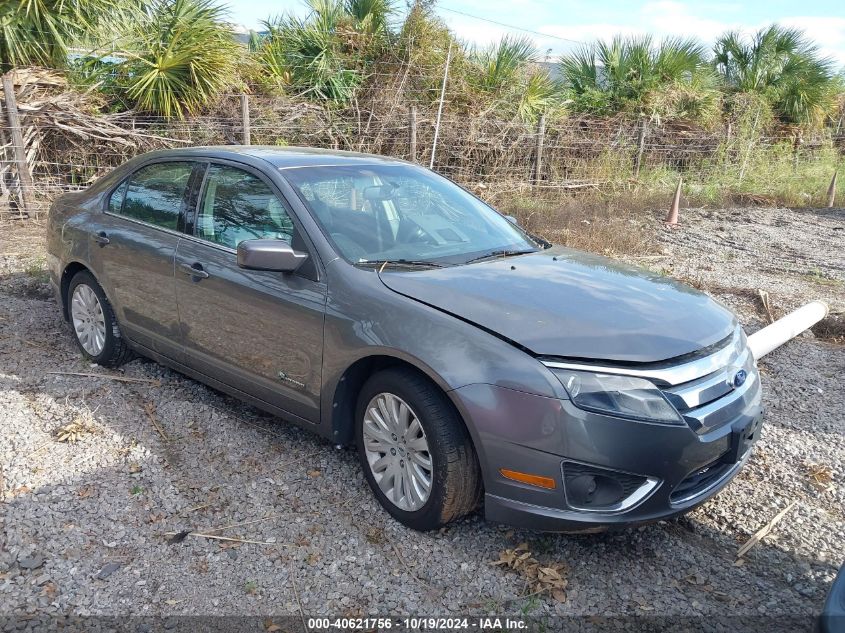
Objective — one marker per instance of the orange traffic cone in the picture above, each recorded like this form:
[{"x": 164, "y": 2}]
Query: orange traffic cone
[{"x": 672, "y": 216}]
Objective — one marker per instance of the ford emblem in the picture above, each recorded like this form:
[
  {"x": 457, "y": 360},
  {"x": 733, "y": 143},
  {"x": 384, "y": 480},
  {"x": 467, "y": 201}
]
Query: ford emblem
[{"x": 740, "y": 378}]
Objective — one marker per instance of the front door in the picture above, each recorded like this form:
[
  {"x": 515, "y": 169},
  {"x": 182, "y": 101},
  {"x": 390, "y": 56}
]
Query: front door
[
  {"x": 258, "y": 331},
  {"x": 133, "y": 250}
]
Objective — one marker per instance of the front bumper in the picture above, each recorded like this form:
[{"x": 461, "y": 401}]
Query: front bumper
[{"x": 533, "y": 434}]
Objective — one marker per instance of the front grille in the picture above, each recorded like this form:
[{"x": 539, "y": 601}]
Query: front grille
[
  {"x": 713, "y": 399},
  {"x": 699, "y": 481}
]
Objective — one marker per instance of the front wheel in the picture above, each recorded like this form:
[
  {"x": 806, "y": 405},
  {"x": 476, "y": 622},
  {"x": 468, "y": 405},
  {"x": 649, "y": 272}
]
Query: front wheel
[{"x": 416, "y": 453}]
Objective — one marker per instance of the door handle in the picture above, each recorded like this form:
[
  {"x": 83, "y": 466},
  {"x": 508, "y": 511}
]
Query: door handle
[
  {"x": 101, "y": 238},
  {"x": 194, "y": 270}
]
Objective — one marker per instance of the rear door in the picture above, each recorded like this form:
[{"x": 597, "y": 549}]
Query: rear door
[
  {"x": 133, "y": 250},
  {"x": 258, "y": 331}
]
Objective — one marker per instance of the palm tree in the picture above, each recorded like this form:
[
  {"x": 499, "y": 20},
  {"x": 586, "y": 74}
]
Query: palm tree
[
  {"x": 540, "y": 94},
  {"x": 174, "y": 56},
  {"x": 782, "y": 65},
  {"x": 625, "y": 74},
  {"x": 40, "y": 32},
  {"x": 508, "y": 72},
  {"x": 325, "y": 54},
  {"x": 370, "y": 16},
  {"x": 500, "y": 64}
]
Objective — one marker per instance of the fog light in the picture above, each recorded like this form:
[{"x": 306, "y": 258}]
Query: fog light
[{"x": 596, "y": 489}]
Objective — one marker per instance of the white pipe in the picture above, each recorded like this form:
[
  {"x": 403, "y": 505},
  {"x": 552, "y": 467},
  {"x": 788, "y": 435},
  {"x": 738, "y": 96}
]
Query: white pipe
[
  {"x": 773, "y": 336},
  {"x": 440, "y": 107}
]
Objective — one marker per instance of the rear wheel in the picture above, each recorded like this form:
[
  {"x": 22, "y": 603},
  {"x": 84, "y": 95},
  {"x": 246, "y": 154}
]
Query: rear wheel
[
  {"x": 416, "y": 453},
  {"x": 94, "y": 324}
]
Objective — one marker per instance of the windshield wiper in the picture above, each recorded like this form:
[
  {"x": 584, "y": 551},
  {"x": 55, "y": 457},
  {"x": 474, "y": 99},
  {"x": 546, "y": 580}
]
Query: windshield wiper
[
  {"x": 410, "y": 263},
  {"x": 500, "y": 253}
]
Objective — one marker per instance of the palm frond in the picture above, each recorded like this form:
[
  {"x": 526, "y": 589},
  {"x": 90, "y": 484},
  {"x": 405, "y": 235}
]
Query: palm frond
[
  {"x": 783, "y": 65},
  {"x": 501, "y": 62},
  {"x": 324, "y": 55},
  {"x": 626, "y": 73},
  {"x": 176, "y": 56},
  {"x": 541, "y": 94},
  {"x": 40, "y": 32},
  {"x": 371, "y": 16}
]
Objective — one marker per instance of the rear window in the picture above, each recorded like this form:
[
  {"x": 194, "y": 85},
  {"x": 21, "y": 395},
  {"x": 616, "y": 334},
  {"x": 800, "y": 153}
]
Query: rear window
[{"x": 155, "y": 194}]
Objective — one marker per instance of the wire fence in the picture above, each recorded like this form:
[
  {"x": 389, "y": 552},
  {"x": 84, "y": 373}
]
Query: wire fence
[{"x": 56, "y": 144}]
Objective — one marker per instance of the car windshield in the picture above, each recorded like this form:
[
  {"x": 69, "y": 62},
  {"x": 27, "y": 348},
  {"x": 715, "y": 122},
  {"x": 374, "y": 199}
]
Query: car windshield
[{"x": 403, "y": 213}]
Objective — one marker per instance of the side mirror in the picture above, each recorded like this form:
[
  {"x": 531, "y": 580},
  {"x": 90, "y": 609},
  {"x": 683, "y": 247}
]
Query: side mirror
[
  {"x": 512, "y": 220},
  {"x": 269, "y": 255}
]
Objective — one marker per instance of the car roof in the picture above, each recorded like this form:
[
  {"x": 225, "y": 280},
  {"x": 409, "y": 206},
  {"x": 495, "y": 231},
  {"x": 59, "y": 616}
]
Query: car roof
[{"x": 284, "y": 157}]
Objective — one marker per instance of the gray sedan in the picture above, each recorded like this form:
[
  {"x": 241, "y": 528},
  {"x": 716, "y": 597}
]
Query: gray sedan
[{"x": 382, "y": 306}]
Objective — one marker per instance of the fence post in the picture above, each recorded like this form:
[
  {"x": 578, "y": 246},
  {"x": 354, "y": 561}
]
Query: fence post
[
  {"x": 24, "y": 177},
  {"x": 831, "y": 191},
  {"x": 538, "y": 151},
  {"x": 4, "y": 142},
  {"x": 245, "y": 119},
  {"x": 640, "y": 149},
  {"x": 796, "y": 149},
  {"x": 412, "y": 133}
]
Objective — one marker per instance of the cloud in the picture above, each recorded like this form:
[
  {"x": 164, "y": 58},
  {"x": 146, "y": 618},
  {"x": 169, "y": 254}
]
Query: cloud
[
  {"x": 475, "y": 31},
  {"x": 827, "y": 32},
  {"x": 659, "y": 18},
  {"x": 591, "y": 31},
  {"x": 673, "y": 18}
]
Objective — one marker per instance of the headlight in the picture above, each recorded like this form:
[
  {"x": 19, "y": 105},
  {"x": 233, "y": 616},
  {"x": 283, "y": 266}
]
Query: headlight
[{"x": 622, "y": 396}]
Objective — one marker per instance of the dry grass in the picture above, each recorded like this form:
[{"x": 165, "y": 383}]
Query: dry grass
[{"x": 590, "y": 222}]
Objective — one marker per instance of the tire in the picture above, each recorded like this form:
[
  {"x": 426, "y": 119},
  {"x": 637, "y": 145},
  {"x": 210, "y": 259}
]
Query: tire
[
  {"x": 454, "y": 474},
  {"x": 87, "y": 302}
]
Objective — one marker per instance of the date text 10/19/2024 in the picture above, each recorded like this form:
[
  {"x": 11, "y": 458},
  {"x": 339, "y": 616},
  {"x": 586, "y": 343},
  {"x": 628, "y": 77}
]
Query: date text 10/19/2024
[{"x": 483, "y": 623}]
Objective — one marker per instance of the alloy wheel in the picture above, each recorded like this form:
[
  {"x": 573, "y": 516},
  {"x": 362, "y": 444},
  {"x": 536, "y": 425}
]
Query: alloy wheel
[{"x": 89, "y": 321}]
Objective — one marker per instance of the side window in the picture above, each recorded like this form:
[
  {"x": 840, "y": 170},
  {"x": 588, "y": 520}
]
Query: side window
[
  {"x": 156, "y": 192},
  {"x": 238, "y": 206},
  {"x": 116, "y": 199}
]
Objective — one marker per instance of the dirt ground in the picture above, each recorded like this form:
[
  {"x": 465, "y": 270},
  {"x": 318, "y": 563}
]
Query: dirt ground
[{"x": 98, "y": 470}]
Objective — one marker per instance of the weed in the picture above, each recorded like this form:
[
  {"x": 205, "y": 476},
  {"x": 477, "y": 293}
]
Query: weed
[
  {"x": 818, "y": 276},
  {"x": 37, "y": 270},
  {"x": 529, "y": 605}
]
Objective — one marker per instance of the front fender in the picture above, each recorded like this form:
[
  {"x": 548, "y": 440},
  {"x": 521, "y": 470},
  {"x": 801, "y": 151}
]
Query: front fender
[{"x": 365, "y": 318}]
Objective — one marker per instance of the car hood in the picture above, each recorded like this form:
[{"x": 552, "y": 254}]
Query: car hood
[{"x": 561, "y": 302}]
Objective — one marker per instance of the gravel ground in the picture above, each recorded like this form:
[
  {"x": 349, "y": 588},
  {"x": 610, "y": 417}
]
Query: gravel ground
[{"x": 85, "y": 521}]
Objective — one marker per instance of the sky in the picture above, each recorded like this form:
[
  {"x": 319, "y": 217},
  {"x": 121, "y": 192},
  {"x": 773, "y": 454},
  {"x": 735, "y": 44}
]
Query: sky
[{"x": 557, "y": 22}]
